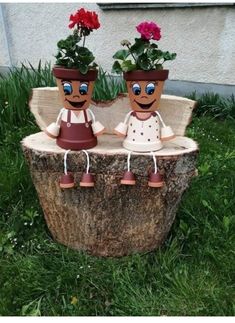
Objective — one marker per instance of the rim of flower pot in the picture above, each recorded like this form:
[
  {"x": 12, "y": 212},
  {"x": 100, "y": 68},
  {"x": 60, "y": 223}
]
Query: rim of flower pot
[
  {"x": 61, "y": 72},
  {"x": 140, "y": 75}
]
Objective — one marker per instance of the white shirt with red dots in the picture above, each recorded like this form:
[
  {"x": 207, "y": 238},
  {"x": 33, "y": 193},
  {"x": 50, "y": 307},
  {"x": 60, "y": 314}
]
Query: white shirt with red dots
[{"x": 143, "y": 134}]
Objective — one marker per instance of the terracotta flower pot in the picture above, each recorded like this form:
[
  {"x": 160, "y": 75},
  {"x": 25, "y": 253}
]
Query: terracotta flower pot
[
  {"x": 145, "y": 101},
  {"x": 142, "y": 127},
  {"x": 75, "y": 92}
]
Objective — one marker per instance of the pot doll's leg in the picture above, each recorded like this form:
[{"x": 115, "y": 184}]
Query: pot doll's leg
[
  {"x": 66, "y": 180},
  {"x": 87, "y": 178},
  {"x": 128, "y": 177},
  {"x": 155, "y": 179}
]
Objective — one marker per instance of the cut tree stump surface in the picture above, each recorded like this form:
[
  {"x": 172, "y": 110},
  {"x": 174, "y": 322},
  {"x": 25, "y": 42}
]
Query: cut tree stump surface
[
  {"x": 110, "y": 219},
  {"x": 111, "y": 145}
]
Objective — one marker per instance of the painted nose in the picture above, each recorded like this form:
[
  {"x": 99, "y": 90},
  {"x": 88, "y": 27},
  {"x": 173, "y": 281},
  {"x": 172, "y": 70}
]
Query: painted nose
[
  {"x": 76, "y": 96},
  {"x": 144, "y": 97}
]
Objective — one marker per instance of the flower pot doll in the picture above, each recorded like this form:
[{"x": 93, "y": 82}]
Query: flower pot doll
[
  {"x": 143, "y": 129},
  {"x": 75, "y": 127}
]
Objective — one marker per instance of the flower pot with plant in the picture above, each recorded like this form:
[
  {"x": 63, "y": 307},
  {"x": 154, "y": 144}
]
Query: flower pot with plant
[
  {"x": 76, "y": 72},
  {"x": 142, "y": 66}
]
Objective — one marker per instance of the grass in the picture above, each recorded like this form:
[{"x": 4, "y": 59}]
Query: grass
[
  {"x": 107, "y": 87},
  {"x": 191, "y": 274},
  {"x": 214, "y": 105}
]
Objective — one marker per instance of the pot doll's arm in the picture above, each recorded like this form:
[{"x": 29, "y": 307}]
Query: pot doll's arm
[
  {"x": 54, "y": 128},
  {"x": 166, "y": 131},
  {"x": 97, "y": 127},
  {"x": 121, "y": 129}
]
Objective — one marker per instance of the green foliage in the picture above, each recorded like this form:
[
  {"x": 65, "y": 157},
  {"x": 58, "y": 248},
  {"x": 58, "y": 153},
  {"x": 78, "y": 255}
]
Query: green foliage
[
  {"x": 71, "y": 55},
  {"x": 127, "y": 66},
  {"x": 108, "y": 87},
  {"x": 212, "y": 104},
  {"x": 191, "y": 274},
  {"x": 15, "y": 91},
  {"x": 121, "y": 54},
  {"x": 142, "y": 55}
]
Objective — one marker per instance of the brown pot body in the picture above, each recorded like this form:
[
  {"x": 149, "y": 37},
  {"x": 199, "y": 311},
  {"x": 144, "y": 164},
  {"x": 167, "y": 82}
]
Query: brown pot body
[
  {"x": 144, "y": 102},
  {"x": 75, "y": 136},
  {"x": 140, "y": 75},
  {"x": 61, "y": 72}
]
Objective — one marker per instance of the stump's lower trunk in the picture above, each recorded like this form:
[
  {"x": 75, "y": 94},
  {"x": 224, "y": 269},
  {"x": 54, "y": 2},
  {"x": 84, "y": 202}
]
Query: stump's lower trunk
[{"x": 109, "y": 219}]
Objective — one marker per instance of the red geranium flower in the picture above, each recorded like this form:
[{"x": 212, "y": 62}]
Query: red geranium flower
[
  {"x": 149, "y": 30},
  {"x": 84, "y": 19}
]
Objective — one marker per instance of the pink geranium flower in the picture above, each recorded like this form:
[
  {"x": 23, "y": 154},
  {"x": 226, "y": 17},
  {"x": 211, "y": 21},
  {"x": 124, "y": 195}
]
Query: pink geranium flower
[{"x": 149, "y": 30}]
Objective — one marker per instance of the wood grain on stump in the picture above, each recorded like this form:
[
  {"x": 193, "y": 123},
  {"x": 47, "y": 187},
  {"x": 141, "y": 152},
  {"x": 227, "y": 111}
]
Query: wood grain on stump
[{"x": 110, "y": 219}]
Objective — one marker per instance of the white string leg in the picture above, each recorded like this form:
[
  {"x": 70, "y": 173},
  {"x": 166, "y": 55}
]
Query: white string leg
[
  {"x": 155, "y": 162},
  {"x": 163, "y": 123},
  {"x": 87, "y": 160},
  {"x": 65, "y": 161},
  {"x": 128, "y": 161}
]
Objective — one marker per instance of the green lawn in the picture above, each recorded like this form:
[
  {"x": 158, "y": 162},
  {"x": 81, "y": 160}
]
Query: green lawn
[{"x": 192, "y": 274}]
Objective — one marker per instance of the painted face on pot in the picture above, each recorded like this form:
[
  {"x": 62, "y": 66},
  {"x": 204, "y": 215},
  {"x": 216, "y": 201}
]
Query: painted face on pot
[
  {"x": 145, "y": 95},
  {"x": 75, "y": 95}
]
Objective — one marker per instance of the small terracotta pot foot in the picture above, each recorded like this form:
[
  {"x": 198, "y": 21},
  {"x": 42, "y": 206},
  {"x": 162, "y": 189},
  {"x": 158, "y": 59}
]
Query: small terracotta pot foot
[
  {"x": 67, "y": 181},
  {"x": 128, "y": 178},
  {"x": 155, "y": 180},
  {"x": 87, "y": 180}
]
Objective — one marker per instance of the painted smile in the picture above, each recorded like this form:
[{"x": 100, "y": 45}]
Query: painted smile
[
  {"x": 145, "y": 106},
  {"x": 77, "y": 105}
]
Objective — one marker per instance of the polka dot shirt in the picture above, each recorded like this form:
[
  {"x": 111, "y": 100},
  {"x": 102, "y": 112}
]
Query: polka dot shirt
[{"x": 143, "y": 131}]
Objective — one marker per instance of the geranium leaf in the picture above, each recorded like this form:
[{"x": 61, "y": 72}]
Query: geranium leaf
[
  {"x": 86, "y": 59},
  {"x": 121, "y": 54},
  {"x": 128, "y": 66},
  {"x": 144, "y": 62},
  {"x": 116, "y": 68},
  {"x": 158, "y": 66},
  {"x": 139, "y": 46},
  {"x": 168, "y": 56},
  {"x": 155, "y": 54},
  {"x": 83, "y": 68},
  {"x": 153, "y": 45}
]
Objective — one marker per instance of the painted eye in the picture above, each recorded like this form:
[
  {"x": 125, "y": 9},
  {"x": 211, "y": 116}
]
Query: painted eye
[
  {"x": 67, "y": 88},
  {"x": 150, "y": 88},
  {"x": 136, "y": 89},
  {"x": 83, "y": 89}
]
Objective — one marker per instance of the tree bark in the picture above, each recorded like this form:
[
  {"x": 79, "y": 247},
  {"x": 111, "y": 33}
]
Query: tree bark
[{"x": 110, "y": 219}]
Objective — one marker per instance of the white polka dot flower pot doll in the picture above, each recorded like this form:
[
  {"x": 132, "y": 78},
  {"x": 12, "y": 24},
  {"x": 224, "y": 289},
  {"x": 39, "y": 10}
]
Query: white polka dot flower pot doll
[
  {"x": 76, "y": 128},
  {"x": 143, "y": 129}
]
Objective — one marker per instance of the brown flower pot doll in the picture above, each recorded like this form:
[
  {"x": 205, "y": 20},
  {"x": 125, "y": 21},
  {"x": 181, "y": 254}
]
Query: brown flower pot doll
[
  {"x": 143, "y": 129},
  {"x": 75, "y": 127}
]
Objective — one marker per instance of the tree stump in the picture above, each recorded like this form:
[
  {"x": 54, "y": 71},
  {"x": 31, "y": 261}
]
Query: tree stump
[{"x": 110, "y": 219}]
